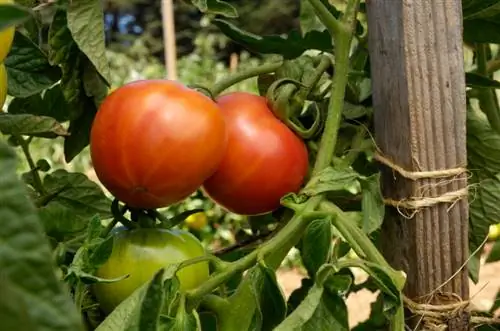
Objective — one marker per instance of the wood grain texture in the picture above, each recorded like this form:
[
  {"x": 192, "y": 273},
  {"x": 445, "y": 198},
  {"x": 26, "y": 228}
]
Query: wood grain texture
[{"x": 420, "y": 124}]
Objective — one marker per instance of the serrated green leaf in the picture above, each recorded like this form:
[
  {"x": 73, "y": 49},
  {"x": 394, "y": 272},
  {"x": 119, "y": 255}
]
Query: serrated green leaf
[
  {"x": 93, "y": 84},
  {"x": 334, "y": 180},
  {"x": 308, "y": 19},
  {"x": 25, "y": 257},
  {"x": 12, "y": 15},
  {"x": 484, "y": 210},
  {"x": 102, "y": 252},
  {"x": 79, "y": 130},
  {"x": 316, "y": 247},
  {"x": 481, "y": 31},
  {"x": 78, "y": 193},
  {"x": 216, "y": 7},
  {"x": 60, "y": 222},
  {"x": 270, "y": 301},
  {"x": 64, "y": 51},
  {"x": 372, "y": 204},
  {"x": 119, "y": 317},
  {"x": 61, "y": 43},
  {"x": 13, "y": 307},
  {"x": 480, "y": 9},
  {"x": 290, "y": 47},
  {"x": 480, "y": 81},
  {"x": 86, "y": 23},
  {"x": 28, "y": 70},
  {"x": 31, "y": 125},
  {"x": 55, "y": 105},
  {"x": 148, "y": 312},
  {"x": 483, "y": 146},
  {"x": 320, "y": 310}
]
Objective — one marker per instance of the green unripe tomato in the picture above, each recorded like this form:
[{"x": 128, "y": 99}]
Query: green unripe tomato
[
  {"x": 140, "y": 253},
  {"x": 6, "y": 36},
  {"x": 3, "y": 85}
]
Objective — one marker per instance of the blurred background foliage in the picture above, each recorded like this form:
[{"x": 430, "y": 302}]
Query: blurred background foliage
[{"x": 134, "y": 40}]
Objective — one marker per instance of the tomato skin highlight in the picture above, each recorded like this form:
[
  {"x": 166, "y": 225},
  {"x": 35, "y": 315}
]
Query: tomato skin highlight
[
  {"x": 264, "y": 159},
  {"x": 141, "y": 253},
  {"x": 154, "y": 142}
]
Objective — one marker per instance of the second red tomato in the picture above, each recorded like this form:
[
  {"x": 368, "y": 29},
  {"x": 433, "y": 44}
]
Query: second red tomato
[{"x": 264, "y": 159}]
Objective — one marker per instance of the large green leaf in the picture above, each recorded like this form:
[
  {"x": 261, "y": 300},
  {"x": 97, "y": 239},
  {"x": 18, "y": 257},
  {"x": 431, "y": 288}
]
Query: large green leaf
[
  {"x": 28, "y": 69},
  {"x": 149, "y": 311},
  {"x": 480, "y": 9},
  {"x": 86, "y": 23},
  {"x": 77, "y": 193},
  {"x": 80, "y": 131},
  {"x": 321, "y": 309},
  {"x": 316, "y": 245},
  {"x": 290, "y": 46},
  {"x": 481, "y": 31},
  {"x": 372, "y": 203},
  {"x": 271, "y": 305},
  {"x": 484, "y": 209},
  {"x": 26, "y": 259},
  {"x": 11, "y": 15},
  {"x": 64, "y": 52},
  {"x": 480, "y": 81},
  {"x": 31, "y": 125},
  {"x": 52, "y": 104}
]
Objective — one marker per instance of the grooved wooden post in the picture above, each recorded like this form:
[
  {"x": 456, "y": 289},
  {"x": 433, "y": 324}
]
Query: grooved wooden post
[{"x": 418, "y": 82}]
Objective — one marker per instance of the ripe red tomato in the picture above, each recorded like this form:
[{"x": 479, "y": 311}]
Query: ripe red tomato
[
  {"x": 140, "y": 253},
  {"x": 264, "y": 159},
  {"x": 154, "y": 142}
]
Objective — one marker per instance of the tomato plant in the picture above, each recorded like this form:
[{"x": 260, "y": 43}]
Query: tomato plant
[
  {"x": 264, "y": 159},
  {"x": 154, "y": 142},
  {"x": 292, "y": 162},
  {"x": 140, "y": 253}
]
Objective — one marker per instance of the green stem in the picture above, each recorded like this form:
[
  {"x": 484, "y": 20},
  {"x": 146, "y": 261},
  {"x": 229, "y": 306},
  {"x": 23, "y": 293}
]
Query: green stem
[
  {"x": 331, "y": 23},
  {"x": 220, "y": 86},
  {"x": 357, "y": 239},
  {"x": 220, "y": 265},
  {"x": 342, "y": 42},
  {"x": 109, "y": 227},
  {"x": 215, "y": 304},
  {"x": 37, "y": 181},
  {"x": 488, "y": 100}
]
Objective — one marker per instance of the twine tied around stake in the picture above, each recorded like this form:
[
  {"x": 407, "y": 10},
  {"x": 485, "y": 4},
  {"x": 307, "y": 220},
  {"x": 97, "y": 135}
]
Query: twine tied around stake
[
  {"x": 416, "y": 203},
  {"x": 452, "y": 314}
]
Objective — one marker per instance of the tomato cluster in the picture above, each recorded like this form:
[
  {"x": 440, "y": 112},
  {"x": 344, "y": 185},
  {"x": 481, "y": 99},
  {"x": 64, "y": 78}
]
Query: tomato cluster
[{"x": 155, "y": 142}]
